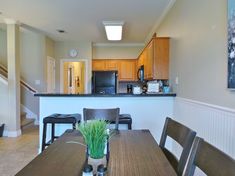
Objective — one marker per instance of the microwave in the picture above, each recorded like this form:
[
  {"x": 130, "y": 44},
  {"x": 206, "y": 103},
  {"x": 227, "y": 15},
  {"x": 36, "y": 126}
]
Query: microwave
[{"x": 140, "y": 73}]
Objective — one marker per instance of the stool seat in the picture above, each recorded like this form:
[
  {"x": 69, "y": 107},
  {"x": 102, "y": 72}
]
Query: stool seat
[
  {"x": 125, "y": 119},
  {"x": 57, "y": 119},
  {"x": 62, "y": 118}
]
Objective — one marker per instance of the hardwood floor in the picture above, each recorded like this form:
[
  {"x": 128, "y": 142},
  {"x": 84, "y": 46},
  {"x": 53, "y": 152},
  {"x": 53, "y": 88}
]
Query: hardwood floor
[{"x": 15, "y": 153}]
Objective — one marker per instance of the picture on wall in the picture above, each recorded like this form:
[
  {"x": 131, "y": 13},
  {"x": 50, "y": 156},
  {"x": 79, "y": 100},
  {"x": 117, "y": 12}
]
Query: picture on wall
[{"x": 231, "y": 44}]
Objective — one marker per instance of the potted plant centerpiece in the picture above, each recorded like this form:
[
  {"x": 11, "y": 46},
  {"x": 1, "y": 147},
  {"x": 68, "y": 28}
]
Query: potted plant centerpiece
[{"x": 96, "y": 135}]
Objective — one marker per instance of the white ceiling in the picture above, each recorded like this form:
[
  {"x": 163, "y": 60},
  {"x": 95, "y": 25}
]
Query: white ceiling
[{"x": 82, "y": 19}]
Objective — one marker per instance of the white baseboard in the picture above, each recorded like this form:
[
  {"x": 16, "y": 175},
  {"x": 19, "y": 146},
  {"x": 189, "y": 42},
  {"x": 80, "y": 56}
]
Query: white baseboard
[
  {"x": 30, "y": 114},
  {"x": 12, "y": 133}
]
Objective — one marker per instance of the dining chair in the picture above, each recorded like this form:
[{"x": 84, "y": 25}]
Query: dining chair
[
  {"x": 182, "y": 135},
  {"x": 111, "y": 115},
  {"x": 209, "y": 159}
]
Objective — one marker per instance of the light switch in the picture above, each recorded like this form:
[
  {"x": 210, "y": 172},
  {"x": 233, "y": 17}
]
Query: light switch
[{"x": 37, "y": 82}]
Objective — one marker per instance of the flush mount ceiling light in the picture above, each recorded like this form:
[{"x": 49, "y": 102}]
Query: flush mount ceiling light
[{"x": 113, "y": 29}]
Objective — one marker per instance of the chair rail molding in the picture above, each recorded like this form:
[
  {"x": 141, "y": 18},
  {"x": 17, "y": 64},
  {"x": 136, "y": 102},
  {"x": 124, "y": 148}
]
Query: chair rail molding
[{"x": 216, "y": 124}]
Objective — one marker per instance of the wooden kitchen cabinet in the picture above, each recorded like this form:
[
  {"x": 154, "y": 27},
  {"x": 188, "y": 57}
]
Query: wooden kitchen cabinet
[
  {"x": 126, "y": 67},
  {"x": 155, "y": 58},
  {"x": 111, "y": 65},
  {"x": 161, "y": 58},
  {"x": 149, "y": 60},
  {"x": 141, "y": 59},
  {"x": 98, "y": 65},
  {"x": 127, "y": 70}
]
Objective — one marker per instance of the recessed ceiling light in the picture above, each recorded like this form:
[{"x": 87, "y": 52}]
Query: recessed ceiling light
[
  {"x": 113, "y": 29},
  {"x": 60, "y": 30}
]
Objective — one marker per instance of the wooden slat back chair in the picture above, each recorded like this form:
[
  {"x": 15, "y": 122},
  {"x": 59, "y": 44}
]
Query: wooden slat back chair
[
  {"x": 209, "y": 159},
  {"x": 182, "y": 135},
  {"x": 111, "y": 115}
]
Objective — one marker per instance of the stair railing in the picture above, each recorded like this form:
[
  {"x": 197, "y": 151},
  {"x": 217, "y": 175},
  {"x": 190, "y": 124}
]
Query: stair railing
[{"x": 4, "y": 73}]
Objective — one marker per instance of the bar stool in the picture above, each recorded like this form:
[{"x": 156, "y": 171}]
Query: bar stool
[
  {"x": 57, "y": 119},
  {"x": 126, "y": 119}
]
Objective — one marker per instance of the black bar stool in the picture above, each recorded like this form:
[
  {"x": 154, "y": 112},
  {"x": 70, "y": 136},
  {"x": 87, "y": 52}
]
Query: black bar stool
[
  {"x": 57, "y": 119},
  {"x": 125, "y": 119}
]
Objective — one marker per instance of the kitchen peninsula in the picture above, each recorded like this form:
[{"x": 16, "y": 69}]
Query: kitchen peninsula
[{"x": 148, "y": 111}]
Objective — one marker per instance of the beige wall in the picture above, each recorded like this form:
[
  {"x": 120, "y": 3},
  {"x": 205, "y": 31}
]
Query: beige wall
[
  {"x": 50, "y": 47},
  {"x": 32, "y": 60},
  {"x": 116, "y": 52},
  {"x": 198, "y": 31},
  {"x": 3, "y": 47},
  {"x": 62, "y": 52}
]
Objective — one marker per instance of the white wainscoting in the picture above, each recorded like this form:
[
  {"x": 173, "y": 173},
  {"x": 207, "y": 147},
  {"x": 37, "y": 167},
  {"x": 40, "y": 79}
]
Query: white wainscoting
[{"x": 215, "y": 124}]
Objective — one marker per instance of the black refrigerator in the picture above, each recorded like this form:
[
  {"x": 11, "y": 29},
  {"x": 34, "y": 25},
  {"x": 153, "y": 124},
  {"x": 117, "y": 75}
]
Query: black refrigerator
[{"x": 104, "y": 82}]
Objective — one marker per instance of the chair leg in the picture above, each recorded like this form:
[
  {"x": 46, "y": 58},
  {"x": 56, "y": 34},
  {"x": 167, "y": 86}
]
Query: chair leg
[
  {"x": 52, "y": 132},
  {"x": 44, "y": 136}
]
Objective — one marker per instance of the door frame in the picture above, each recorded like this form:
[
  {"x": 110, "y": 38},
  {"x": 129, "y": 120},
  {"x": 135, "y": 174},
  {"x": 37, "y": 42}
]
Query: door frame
[
  {"x": 86, "y": 78},
  {"x": 54, "y": 71}
]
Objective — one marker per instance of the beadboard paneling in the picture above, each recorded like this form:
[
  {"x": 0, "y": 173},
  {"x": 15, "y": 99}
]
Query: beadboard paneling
[{"x": 213, "y": 123}]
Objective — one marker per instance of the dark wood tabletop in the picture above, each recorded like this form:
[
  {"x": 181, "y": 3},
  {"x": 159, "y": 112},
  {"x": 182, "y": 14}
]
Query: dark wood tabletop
[{"x": 132, "y": 153}]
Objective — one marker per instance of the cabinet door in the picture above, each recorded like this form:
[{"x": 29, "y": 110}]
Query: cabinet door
[
  {"x": 111, "y": 64},
  {"x": 161, "y": 58},
  {"x": 127, "y": 70},
  {"x": 140, "y": 60},
  {"x": 98, "y": 64},
  {"x": 149, "y": 60},
  {"x": 144, "y": 56}
]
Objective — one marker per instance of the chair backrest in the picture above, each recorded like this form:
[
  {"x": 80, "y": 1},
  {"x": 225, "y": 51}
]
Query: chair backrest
[
  {"x": 111, "y": 115},
  {"x": 181, "y": 134},
  {"x": 209, "y": 159}
]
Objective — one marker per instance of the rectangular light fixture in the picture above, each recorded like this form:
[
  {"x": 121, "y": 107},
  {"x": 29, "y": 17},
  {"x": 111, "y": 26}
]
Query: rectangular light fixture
[{"x": 113, "y": 29}]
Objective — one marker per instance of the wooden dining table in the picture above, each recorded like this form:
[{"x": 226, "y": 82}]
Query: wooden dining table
[{"x": 132, "y": 153}]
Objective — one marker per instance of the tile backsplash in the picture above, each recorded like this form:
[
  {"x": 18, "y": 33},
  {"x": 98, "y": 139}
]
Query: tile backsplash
[{"x": 122, "y": 86}]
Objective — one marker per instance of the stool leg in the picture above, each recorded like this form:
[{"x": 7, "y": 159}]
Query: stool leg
[
  {"x": 129, "y": 126},
  {"x": 44, "y": 136},
  {"x": 52, "y": 132},
  {"x": 74, "y": 126}
]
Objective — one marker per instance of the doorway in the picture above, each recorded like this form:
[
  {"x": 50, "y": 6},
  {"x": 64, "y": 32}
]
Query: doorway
[{"x": 73, "y": 77}]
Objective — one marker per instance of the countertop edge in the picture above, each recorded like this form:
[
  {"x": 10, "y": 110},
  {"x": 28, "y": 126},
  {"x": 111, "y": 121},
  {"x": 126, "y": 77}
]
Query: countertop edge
[{"x": 105, "y": 95}]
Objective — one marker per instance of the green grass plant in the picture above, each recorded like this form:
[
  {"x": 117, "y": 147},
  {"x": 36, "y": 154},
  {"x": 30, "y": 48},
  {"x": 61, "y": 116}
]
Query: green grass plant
[{"x": 95, "y": 136}]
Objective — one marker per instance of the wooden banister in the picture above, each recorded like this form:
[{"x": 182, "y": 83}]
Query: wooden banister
[{"x": 22, "y": 83}]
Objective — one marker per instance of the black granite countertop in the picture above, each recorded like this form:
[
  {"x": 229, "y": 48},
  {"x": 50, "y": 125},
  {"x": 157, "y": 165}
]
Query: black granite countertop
[{"x": 160, "y": 94}]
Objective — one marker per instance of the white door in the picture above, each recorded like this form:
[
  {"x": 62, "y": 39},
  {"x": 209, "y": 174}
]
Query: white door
[{"x": 50, "y": 75}]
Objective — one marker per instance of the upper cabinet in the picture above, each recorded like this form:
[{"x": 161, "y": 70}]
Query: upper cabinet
[
  {"x": 161, "y": 58},
  {"x": 155, "y": 58},
  {"x": 127, "y": 70},
  {"x": 98, "y": 65},
  {"x": 126, "y": 67}
]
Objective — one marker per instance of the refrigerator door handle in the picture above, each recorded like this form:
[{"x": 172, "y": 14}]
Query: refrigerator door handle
[{"x": 102, "y": 92}]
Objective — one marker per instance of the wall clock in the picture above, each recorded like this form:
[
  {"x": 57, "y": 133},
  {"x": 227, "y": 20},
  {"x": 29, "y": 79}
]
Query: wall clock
[{"x": 73, "y": 53}]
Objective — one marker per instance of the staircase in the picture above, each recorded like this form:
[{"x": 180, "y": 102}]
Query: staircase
[{"x": 25, "y": 122}]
